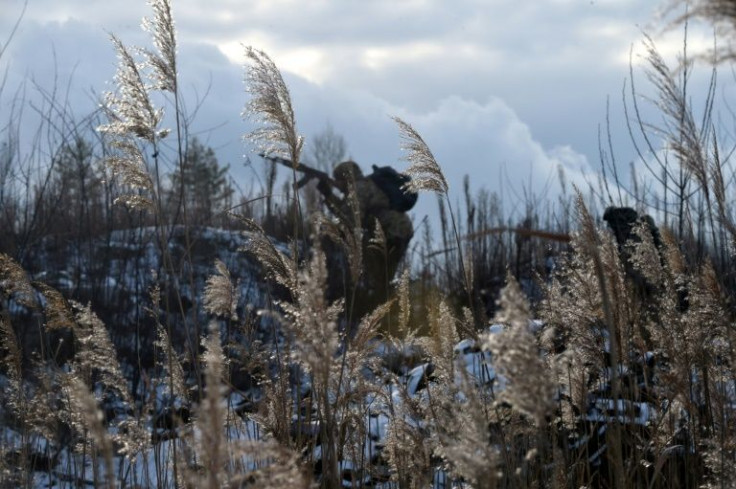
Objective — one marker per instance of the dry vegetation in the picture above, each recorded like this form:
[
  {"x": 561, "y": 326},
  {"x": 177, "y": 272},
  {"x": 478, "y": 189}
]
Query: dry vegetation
[{"x": 627, "y": 378}]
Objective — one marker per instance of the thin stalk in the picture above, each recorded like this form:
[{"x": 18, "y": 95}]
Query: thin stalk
[{"x": 466, "y": 278}]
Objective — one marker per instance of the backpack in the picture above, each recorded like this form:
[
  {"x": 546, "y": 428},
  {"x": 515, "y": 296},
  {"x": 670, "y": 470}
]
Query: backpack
[{"x": 392, "y": 184}]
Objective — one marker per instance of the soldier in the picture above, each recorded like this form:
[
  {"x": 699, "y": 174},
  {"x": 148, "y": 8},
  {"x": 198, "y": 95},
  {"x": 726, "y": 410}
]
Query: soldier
[
  {"x": 381, "y": 199},
  {"x": 622, "y": 220}
]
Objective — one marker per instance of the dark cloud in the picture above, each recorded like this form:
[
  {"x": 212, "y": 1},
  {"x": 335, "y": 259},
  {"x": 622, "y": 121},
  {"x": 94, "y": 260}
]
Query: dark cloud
[{"x": 506, "y": 91}]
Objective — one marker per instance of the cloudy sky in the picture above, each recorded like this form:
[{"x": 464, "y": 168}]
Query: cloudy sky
[{"x": 503, "y": 90}]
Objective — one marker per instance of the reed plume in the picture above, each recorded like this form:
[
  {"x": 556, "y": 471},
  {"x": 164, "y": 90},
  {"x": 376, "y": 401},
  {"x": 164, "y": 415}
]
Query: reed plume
[{"x": 424, "y": 170}]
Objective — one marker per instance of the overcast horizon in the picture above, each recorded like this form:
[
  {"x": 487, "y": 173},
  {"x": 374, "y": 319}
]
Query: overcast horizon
[{"x": 504, "y": 91}]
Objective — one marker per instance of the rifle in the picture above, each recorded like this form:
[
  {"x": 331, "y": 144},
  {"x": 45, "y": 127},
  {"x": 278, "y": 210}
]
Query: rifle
[
  {"x": 308, "y": 172},
  {"x": 325, "y": 184}
]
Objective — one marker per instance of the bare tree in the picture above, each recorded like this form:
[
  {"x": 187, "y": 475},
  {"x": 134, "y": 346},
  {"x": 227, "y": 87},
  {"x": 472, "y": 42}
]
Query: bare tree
[{"x": 328, "y": 148}]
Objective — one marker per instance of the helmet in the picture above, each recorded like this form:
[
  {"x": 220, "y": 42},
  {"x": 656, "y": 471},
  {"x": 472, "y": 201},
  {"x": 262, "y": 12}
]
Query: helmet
[{"x": 346, "y": 171}]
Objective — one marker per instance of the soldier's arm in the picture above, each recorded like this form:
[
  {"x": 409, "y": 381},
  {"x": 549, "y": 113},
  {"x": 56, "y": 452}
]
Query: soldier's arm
[
  {"x": 325, "y": 183},
  {"x": 333, "y": 203}
]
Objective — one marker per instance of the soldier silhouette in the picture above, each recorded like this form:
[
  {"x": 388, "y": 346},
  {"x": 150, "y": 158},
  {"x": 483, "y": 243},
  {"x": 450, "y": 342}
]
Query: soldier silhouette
[{"x": 382, "y": 200}]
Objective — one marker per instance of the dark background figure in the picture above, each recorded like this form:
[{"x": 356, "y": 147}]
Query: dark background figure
[
  {"x": 621, "y": 221},
  {"x": 382, "y": 201}
]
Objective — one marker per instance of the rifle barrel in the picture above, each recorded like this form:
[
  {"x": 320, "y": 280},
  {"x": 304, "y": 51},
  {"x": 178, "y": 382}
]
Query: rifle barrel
[{"x": 308, "y": 171}]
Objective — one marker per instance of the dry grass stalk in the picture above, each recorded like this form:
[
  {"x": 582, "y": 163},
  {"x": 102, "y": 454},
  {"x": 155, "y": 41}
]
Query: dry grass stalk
[
  {"x": 220, "y": 294},
  {"x": 277, "y": 266},
  {"x": 407, "y": 445},
  {"x": 313, "y": 321},
  {"x": 270, "y": 104},
  {"x": 444, "y": 337},
  {"x": 277, "y": 467},
  {"x": 131, "y": 112},
  {"x": 173, "y": 371},
  {"x": 14, "y": 282},
  {"x": 378, "y": 239},
  {"x": 163, "y": 33},
  {"x": 13, "y": 361},
  {"x": 212, "y": 446},
  {"x": 129, "y": 165},
  {"x": 516, "y": 356},
  {"x": 721, "y": 13},
  {"x": 96, "y": 352},
  {"x": 57, "y": 309},
  {"x": 681, "y": 132},
  {"x": 465, "y": 442},
  {"x": 424, "y": 170},
  {"x": 404, "y": 299},
  {"x": 85, "y": 417},
  {"x": 347, "y": 236}
]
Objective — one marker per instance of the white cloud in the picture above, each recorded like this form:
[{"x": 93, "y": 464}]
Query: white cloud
[
  {"x": 487, "y": 141},
  {"x": 503, "y": 84},
  {"x": 480, "y": 139}
]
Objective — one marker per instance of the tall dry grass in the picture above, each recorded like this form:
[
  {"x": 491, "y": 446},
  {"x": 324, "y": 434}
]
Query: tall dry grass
[{"x": 628, "y": 381}]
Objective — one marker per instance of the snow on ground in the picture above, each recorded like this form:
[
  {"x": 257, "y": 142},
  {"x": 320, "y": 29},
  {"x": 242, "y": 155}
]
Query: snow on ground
[{"x": 131, "y": 259}]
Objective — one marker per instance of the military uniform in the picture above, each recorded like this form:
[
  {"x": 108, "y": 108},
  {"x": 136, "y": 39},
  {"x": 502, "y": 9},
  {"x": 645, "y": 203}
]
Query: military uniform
[{"x": 375, "y": 204}]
